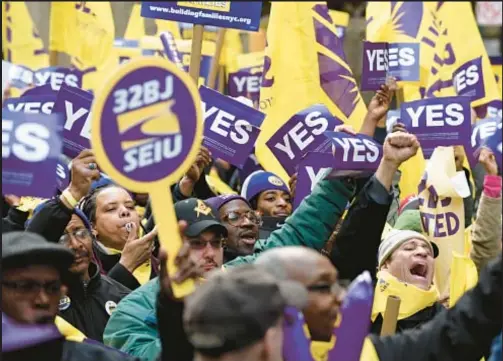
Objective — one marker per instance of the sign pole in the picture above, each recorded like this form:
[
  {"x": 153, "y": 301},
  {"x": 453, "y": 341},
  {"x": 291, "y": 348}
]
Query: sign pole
[
  {"x": 390, "y": 317},
  {"x": 195, "y": 54},
  {"x": 215, "y": 63}
]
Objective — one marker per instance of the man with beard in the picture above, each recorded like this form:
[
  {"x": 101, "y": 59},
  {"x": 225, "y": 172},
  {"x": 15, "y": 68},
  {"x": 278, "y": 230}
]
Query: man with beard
[
  {"x": 34, "y": 272},
  {"x": 133, "y": 326}
]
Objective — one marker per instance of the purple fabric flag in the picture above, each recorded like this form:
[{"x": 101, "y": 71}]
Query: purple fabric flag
[
  {"x": 353, "y": 155},
  {"x": 31, "y": 145},
  {"x": 18, "y": 336},
  {"x": 438, "y": 122},
  {"x": 245, "y": 83},
  {"x": 302, "y": 133},
  {"x": 382, "y": 60},
  {"x": 169, "y": 44},
  {"x": 75, "y": 105},
  {"x": 58, "y": 75},
  {"x": 468, "y": 80},
  {"x": 230, "y": 127},
  {"x": 312, "y": 168},
  {"x": 354, "y": 321},
  {"x": 31, "y": 104},
  {"x": 296, "y": 346}
]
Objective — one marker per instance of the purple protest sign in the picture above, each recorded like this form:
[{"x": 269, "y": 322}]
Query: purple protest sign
[
  {"x": 145, "y": 137},
  {"x": 302, "y": 133},
  {"x": 468, "y": 79},
  {"x": 382, "y": 60},
  {"x": 31, "y": 145},
  {"x": 494, "y": 109},
  {"x": 170, "y": 49},
  {"x": 246, "y": 83},
  {"x": 438, "y": 122},
  {"x": 311, "y": 170},
  {"x": 296, "y": 346},
  {"x": 355, "y": 320},
  {"x": 75, "y": 104},
  {"x": 57, "y": 75},
  {"x": 354, "y": 155},
  {"x": 63, "y": 172},
  {"x": 45, "y": 89},
  {"x": 486, "y": 133},
  {"x": 231, "y": 128},
  {"x": 31, "y": 104},
  {"x": 18, "y": 76}
]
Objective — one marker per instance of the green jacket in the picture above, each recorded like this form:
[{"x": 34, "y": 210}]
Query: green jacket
[{"x": 132, "y": 328}]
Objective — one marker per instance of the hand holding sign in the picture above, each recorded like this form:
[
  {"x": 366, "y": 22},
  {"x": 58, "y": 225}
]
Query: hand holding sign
[
  {"x": 202, "y": 161},
  {"x": 488, "y": 161},
  {"x": 380, "y": 102},
  {"x": 188, "y": 269},
  {"x": 83, "y": 173},
  {"x": 146, "y": 132}
]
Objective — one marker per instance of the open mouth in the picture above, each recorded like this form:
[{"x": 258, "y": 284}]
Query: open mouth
[{"x": 419, "y": 270}]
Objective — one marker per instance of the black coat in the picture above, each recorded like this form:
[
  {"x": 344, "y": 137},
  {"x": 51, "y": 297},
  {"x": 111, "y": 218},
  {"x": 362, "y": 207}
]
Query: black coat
[
  {"x": 62, "y": 350},
  {"x": 88, "y": 307}
]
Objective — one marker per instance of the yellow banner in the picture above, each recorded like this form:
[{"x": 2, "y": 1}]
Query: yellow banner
[
  {"x": 21, "y": 43},
  {"x": 136, "y": 25},
  {"x": 441, "y": 194},
  {"x": 304, "y": 65}
]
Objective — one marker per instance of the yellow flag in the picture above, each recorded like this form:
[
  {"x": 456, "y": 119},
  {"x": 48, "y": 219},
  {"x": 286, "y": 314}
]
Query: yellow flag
[
  {"x": 463, "y": 277},
  {"x": 84, "y": 30},
  {"x": 472, "y": 72},
  {"x": 68, "y": 330},
  {"x": 304, "y": 64},
  {"x": 136, "y": 26},
  {"x": 21, "y": 43}
]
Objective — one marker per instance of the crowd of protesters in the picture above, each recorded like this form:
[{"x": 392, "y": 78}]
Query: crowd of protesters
[{"x": 84, "y": 276}]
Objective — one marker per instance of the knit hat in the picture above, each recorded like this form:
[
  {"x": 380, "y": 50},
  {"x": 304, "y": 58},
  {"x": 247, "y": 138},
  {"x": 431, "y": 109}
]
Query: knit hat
[
  {"x": 409, "y": 220},
  {"x": 260, "y": 181},
  {"x": 395, "y": 238},
  {"x": 217, "y": 202}
]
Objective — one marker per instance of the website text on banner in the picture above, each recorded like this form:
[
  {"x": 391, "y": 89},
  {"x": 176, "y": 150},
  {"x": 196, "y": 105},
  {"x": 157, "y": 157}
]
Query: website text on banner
[{"x": 225, "y": 14}]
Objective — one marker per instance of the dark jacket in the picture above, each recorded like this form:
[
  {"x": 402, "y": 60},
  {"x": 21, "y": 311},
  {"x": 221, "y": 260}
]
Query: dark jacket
[
  {"x": 463, "y": 332},
  {"x": 62, "y": 350},
  {"x": 357, "y": 243},
  {"x": 14, "y": 221},
  {"x": 89, "y": 306},
  {"x": 50, "y": 222},
  {"x": 469, "y": 202}
]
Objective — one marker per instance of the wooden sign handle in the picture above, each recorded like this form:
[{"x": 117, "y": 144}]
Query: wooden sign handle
[
  {"x": 390, "y": 317},
  {"x": 215, "y": 62},
  {"x": 195, "y": 53}
]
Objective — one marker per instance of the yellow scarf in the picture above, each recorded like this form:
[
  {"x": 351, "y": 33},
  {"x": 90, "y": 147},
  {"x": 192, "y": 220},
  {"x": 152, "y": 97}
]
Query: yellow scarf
[
  {"x": 142, "y": 273},
  {"x": 68, "y": 330},
  {"x": 413, "y": 299}
]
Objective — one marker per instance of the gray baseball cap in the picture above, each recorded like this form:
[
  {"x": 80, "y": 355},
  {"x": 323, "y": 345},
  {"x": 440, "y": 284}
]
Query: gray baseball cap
[{"x": 234, "y": 309}]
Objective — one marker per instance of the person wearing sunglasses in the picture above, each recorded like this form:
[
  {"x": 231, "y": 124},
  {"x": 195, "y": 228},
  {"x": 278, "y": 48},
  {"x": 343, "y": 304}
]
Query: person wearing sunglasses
[
  {"x": 92, "y": 297},
  {"x": 35, "y": 275}
]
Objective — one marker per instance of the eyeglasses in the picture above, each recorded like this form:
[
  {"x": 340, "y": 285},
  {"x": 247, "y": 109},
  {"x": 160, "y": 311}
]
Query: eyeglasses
[
  {"x": 237, "y": 218},
  {"x": 32, "y": 288},
  {"x": 338, "y": 288},
  {"x": 81, "y": 235},
  {"x": 198, "y": 244}
]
